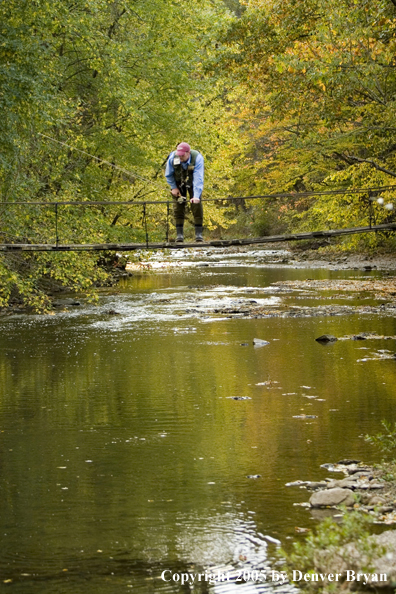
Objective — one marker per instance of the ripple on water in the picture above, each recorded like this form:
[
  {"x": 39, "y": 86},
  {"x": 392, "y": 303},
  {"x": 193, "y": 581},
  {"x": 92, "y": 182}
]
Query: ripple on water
[
  {"x": 170, "y": 305},
  {"x": 221, "y": 538}
]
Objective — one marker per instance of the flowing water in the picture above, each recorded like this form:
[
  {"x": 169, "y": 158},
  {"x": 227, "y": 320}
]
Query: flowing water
[{"x": 136, "y": 438}]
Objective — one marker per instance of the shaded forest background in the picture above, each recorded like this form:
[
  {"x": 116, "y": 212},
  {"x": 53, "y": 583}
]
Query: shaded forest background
[{"x": 294, "y": 96}]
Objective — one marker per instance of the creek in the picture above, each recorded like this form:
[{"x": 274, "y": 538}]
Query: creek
[{"x": 148, "y": 433}]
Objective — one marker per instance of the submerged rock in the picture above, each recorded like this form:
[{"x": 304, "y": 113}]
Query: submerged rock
[{"x": 65, "y": 302}]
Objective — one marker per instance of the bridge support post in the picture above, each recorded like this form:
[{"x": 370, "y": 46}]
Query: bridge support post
[
  {"x": 167, "y": 221},
  {"x": 372, "y": 217},
  {"x": 145, "y": 224},
  {"x": 56, "y": 225}
]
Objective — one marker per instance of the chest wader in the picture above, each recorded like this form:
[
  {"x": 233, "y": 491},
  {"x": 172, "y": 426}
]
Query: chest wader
[{"x": 184, "y": 181}]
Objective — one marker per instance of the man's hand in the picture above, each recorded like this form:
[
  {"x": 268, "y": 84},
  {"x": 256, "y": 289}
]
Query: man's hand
[
  {"x": 195, "y": 200},
  {"x": 175, "y": 192}
]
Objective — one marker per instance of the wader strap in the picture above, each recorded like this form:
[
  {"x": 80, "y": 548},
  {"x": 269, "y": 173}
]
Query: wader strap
[{"x": 184, "y": 177}]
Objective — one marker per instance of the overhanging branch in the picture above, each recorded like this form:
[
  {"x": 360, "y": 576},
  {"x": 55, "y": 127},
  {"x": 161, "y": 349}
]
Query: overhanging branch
[{"x": 352, "y": 159}]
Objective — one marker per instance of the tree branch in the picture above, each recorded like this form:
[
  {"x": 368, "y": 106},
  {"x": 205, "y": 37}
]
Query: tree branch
[
  {"x": 112, "y": 27},
  {"x": 352, "y": 159}
]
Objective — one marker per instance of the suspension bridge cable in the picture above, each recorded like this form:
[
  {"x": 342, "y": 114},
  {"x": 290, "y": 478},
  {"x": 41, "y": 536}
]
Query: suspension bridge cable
[
  {"x": 223, "y": 199},
  {"x": 129, "y": 173},
  {"x": 292, "y": 195}
]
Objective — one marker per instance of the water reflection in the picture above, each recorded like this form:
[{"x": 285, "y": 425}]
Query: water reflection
[
  {"x": 226, "y": 537},
  {"x": 125, "y": 454}
]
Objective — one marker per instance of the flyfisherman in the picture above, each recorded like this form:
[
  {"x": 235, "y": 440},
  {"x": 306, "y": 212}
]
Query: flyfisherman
[{"x": 185, "y": 174}]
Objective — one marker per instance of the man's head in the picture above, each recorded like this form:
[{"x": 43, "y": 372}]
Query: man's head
[{"x": 183, "y": 151}]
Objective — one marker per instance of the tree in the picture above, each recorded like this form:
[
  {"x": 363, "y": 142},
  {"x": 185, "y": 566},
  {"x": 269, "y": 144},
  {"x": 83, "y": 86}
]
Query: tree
[
  {"x": 92, "y": 90},
  {"x": 319, "y": 90}
]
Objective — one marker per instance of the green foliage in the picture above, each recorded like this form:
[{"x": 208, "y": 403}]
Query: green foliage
[
  {"x": 279, "y": 97},
  {"x": 333, "y": 545},
  {"x": 122, "y": 83},
  {"x": 315, "y": 98},
  {"x": 386, "y": 442}
]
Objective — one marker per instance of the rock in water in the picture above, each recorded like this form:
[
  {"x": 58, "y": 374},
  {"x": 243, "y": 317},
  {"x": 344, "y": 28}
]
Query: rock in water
[
  {"x": 65, "y": 302},
  {"x": 331, "y": 497},
  {"x": 259, "y": 342},
  {"x": 326, "y": 338}
]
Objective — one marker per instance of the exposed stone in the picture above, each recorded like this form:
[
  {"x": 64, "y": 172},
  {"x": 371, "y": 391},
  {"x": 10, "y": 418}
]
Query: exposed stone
[
  {"x": 362, "y": 471},
  {"x": 334, "y": 467},
  {"x": 345, "y": 483},
  {"x": 332, "y": 497},
  {"x": 326, "y": 338},
  {"x": 376, "y": 500},
  {"x": 65, "y": 302},
  {"x": 316, "y": 485},
  {"x": 387, "y": 563},
  {"x": 371, "y": 485},
  {"x": 308, "y": 484},
  {"x": 365, "y": 498},
  {"x": 259, "y": 342},
  {"x": 350, "y": 558}
]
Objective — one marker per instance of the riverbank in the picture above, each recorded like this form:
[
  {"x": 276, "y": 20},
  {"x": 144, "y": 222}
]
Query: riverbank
[
  {"x": 330, "y": 257},
  {"x": 362, "y": 506},
  {"x": 285, "y": 256}
]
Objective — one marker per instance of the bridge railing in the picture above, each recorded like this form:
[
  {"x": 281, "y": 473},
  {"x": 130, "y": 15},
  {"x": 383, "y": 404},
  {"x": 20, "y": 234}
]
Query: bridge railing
[
  {"x": 53, "y": 222},
  {"x": 59, "y": 219},
  {"x": 68, "y": 221}
]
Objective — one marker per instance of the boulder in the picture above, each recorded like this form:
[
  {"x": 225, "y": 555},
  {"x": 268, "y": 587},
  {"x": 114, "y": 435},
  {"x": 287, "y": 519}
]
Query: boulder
[{"x": 332, "y": 497}]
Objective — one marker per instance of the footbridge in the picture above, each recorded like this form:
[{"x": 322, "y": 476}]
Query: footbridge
[
  {"x": 58, "y": 225},
  {"x": 122, "y": 247}
]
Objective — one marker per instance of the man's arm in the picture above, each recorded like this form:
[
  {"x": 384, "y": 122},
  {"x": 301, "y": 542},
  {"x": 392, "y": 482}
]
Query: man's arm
[
  {"x": 198, "y": 178},
  {"x": 170, "y": 173}
]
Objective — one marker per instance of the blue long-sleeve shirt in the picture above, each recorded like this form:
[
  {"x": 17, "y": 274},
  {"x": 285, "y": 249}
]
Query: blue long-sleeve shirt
[{"x": 198, "y": 176}]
